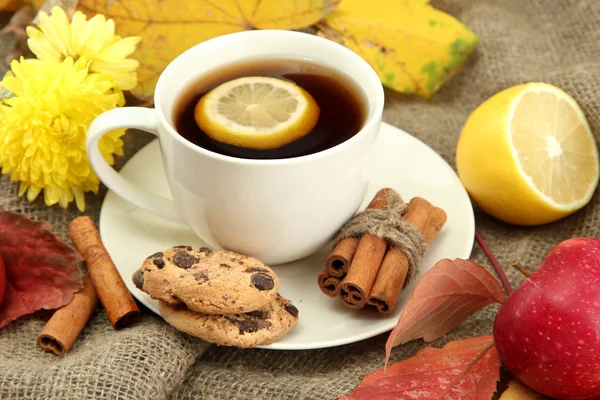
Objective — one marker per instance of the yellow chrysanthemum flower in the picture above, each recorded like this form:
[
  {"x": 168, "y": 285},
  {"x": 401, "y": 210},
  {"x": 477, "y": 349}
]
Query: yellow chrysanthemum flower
[
  {"x": 43, "y": 128},
  {"x": 94, "y": 40}
]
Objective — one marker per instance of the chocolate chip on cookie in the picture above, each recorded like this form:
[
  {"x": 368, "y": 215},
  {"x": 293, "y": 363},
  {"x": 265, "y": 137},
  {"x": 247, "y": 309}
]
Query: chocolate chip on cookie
[
  {"x": 223, "y": 265},
  {"x": 184, "y": 260},
  {"x": 260, "y": 314},
  {"x": 206, "y": 250},
  {"x": 291, "y": 309},
  {"x": 249, "y": 326},
  {"x": 255, "y": 269},
  {"x": 138, "y": 279},
  {"x": 200, "y": 276},
  {"x": 157, "y": 259},
  {"x": 183, "y": 246},
  {"x": 263, "y": 281}
]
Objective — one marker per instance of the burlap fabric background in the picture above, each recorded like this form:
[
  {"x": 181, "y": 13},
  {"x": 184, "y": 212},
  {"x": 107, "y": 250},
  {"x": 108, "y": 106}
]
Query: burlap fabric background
[{"x": 555, "y": 41}]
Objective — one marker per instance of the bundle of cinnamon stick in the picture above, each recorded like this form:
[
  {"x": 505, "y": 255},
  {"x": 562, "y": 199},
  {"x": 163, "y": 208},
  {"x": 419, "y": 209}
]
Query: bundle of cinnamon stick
[{"x": 370, "y": 271}]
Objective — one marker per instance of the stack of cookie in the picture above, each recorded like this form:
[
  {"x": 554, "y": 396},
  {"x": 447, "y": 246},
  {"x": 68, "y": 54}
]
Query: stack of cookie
[{"x": 219, "y": 296}]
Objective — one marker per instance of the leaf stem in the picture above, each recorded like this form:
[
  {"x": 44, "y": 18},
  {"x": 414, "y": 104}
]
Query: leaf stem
[{"x": 495, "y": 263}]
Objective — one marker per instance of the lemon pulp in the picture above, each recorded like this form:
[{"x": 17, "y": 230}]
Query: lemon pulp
[{"x": 555, "y": 147}]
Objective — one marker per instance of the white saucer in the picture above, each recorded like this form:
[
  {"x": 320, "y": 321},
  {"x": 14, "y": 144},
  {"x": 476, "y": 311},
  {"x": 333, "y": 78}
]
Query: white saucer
[{"x": 401, "y": 162}]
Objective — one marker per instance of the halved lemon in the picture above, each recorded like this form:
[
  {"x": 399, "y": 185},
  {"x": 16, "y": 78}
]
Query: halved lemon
[
  {"x": 257, "y": 112},
  {"x": 527, "y": 155}
]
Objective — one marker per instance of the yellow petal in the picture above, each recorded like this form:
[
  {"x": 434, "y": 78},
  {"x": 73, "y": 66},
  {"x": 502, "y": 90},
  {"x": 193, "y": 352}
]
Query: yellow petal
[
  {"x": 19, "y": 72},
  {"x": 54, "y": 36},
  {"x": 85, "y": 35},
  {"x": 126, "y": 81},
  {"x": 108, "y": 31},
  {"x": 121, "y": 48},
  {"x": 14, "y": 85},
  {"x": 79, "y": 198},
  {"x": 33, "y": 192},
  {"x": 126, "y": 65},
  {"x": 92, "y": 35},
  {"x": 43, "y": 49},
  {"x": 64, "y": 197},
  {"x": 61, "y": 25},
  {"x": 23, "y": 188},
  {"x": 77, "y": 24},
  {"x": 33, "y": 32},
  {"x": 51, "y": 195}
]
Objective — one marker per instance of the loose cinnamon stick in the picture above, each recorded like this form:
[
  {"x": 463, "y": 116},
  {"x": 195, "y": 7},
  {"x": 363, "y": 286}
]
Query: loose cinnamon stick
[
  {"x": 390, "y": 280},
  {"x": 328, "y": 284},
  {"x": 357, "y": 283},
  {"x": 108, "y": 283},
  {"x": 62, "y": 329}
]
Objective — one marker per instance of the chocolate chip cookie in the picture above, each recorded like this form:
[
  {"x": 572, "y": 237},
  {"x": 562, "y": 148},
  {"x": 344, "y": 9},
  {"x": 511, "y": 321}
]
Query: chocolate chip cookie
[
  {"x": 206, "y": 280},
  {"x": 259, "y": 327}
]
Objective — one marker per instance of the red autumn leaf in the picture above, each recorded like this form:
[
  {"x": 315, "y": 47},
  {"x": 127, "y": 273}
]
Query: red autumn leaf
[
  {"x": 42, "y": 271},
  {"x": 446, "y": 295},
  {"x": 466, "y": 369},
  {"x": 2, "y": 280}
]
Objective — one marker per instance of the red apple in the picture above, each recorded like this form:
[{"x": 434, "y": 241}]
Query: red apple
[
  {"x": 2, "y": 280},
  {"x": 548, "y": 331}
]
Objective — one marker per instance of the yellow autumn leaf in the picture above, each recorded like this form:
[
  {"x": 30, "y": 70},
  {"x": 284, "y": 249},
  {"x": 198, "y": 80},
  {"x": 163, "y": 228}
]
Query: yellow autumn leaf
[
  {"x": 16, "y": 5},
  {"x": 13, "y": 5},
  {"x": 169, "y": 27},
  {"x": 517, "y": 391},
  {"x": 413, "y": 47}
]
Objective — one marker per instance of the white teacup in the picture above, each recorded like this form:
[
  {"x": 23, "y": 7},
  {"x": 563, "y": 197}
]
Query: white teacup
[{"x": 276, "y": 210}]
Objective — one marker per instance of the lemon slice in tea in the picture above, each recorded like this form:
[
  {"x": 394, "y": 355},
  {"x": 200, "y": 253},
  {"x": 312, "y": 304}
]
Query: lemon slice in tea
[{"x": 257, "y": 112}]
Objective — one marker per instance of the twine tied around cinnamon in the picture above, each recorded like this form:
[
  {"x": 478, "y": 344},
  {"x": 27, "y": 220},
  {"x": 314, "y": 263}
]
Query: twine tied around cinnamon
[{"x": 389, "y": 224}]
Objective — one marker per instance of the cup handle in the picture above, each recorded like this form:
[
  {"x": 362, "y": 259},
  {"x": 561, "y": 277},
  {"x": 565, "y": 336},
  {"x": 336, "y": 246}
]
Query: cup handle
[{"x": 128, "y": 117}]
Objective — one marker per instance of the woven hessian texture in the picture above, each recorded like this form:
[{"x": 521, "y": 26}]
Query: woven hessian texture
[{"x": 554, "y": 41}]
